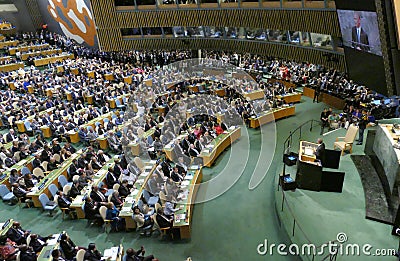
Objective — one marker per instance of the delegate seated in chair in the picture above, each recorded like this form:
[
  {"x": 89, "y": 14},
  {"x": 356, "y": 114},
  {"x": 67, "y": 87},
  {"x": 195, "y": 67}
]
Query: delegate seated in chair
[
  {"x": 114, "y": 142},
  {"x": 143, "y": 221},
  {"x": 63, "y": 201},
  {"x": 132, "y": 255},
  {"x": 112, "y": 214},
  {"x": 92, "y": 212}
]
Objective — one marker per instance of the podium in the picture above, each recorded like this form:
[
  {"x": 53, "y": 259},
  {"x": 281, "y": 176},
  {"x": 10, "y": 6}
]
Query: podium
[{"x": 310, "y": 174}]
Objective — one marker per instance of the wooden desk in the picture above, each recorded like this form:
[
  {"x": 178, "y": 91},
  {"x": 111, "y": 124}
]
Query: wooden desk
[
  {"x": 47, "y": 60},
  {"x": 290, "y": 98},
  {"x": 324, "y": 97},
  {"x": 111, "y": 102},
  {"x": 26, "y": 48},
  {"x": 78, "y": 202},
  {"x": 60, "y": 69},
  {"x": 69, "y": 96},
  {"x": 51, "y": 178},
  {"x": 148, "y": 82},
  {"x": 109, "y": 77},
  {"x": 18, "y": 166},
  {"x": 131, "y": 200},
  {"x": 219, "y": 145},
  {"x": 3, "y": 231},
  {"x": 74, "y": 136},
  {"x": 128, "y": 79},
  {"x": 220, "y": 92},
  {"x": 309, "y": 92},
  {"x": 25, "y": 56},
  {"x": 285, "y": 83},
  {"x": 271, "y": 116},
  {"x": 75, "y": 70},
  {"x": 45, "y": 253},
  {"x": 5, "y": 58},
  {"x": 89, "y": 99},
  {"x": 46, "y": 131},
  {"x": 183, "y": 217},
  {"x": 8, "y": 43},
  {"x": 103, "y": 142},
  {"x": 11, "y": 67},
  {"x": 254, "y": 95},
  {"x": 91, "y": 74},
  {"x": 21, "y": 126}
]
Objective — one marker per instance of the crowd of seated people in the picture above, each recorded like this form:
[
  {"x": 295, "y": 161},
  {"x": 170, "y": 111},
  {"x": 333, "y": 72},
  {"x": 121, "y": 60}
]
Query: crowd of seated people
[
  {"x": 320, "y": 78},
  {"x": 189, "y": 134},
  {"x": 21, "y": 242}
]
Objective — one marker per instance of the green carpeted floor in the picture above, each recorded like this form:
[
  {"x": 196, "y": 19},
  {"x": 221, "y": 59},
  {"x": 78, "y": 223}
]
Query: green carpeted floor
[{"x": 231, "y": 226}]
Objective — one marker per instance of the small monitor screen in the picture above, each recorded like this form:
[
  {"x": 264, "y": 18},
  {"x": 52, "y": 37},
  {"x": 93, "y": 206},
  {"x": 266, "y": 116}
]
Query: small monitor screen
[{"x": 288, "y": 179}]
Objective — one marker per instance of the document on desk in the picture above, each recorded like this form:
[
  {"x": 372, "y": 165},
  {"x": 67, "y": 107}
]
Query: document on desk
[
  {"x": 131, "y": 199},
  {"x": 185, "y": 183},
  {"x": 111, "y": 253},
  {"x": 179, "y": 217},
  {"x": 189, "y": 177},
  {"x": 309, "y": 151},
  {"x": 194, "y": 167},
  {"x": 53, "y": 240},
  {"x": 125, "y": 209}
]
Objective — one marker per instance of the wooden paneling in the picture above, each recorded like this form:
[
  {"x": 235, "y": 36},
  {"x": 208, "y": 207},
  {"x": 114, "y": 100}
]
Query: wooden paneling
[
  {"x": 109, "y": 21},
  {"x": 34, "y": 12},
  {"x": 316, "y": 21}
]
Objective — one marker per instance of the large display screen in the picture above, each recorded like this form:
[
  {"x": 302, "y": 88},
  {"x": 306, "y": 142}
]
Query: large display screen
[
  {"x": 360, "y": 30},
  {"x": 396, "y": 7}
]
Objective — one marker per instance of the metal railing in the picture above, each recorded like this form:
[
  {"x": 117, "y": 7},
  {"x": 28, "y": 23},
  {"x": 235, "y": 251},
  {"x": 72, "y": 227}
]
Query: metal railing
[{"x": 286, "y": 212}]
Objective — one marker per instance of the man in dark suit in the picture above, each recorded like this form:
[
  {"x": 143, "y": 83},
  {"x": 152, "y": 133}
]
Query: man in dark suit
[
  {"x": 193, "y": 152},
  {"x": 324, "y": 120},
  {"x": 111, "y": 178},
  {"x": 26, "y": 253},
  {"x": 75, "y": 189},
  {"x": 19, "y": 192},
  {"x": 97, "y": 196},
  {"x": 63, "y": 201},
  {"x": 320, "y": 151},
  {"x": 11, "y": 136},
  {"x": 358, "y": 36},
  {"x": 132, "y": 255},
  {"x": 123, "y": 189},
  {"x": 37, "y": 243},
  {"x": 17, "y": 234},
  {"x": 73, "y": 168},
  {"x": 175, "y": 175},
  {"x": 68, "y": 247},
  {"x": 117, "y": 168},
  {"x": 91, "y": 210}
]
